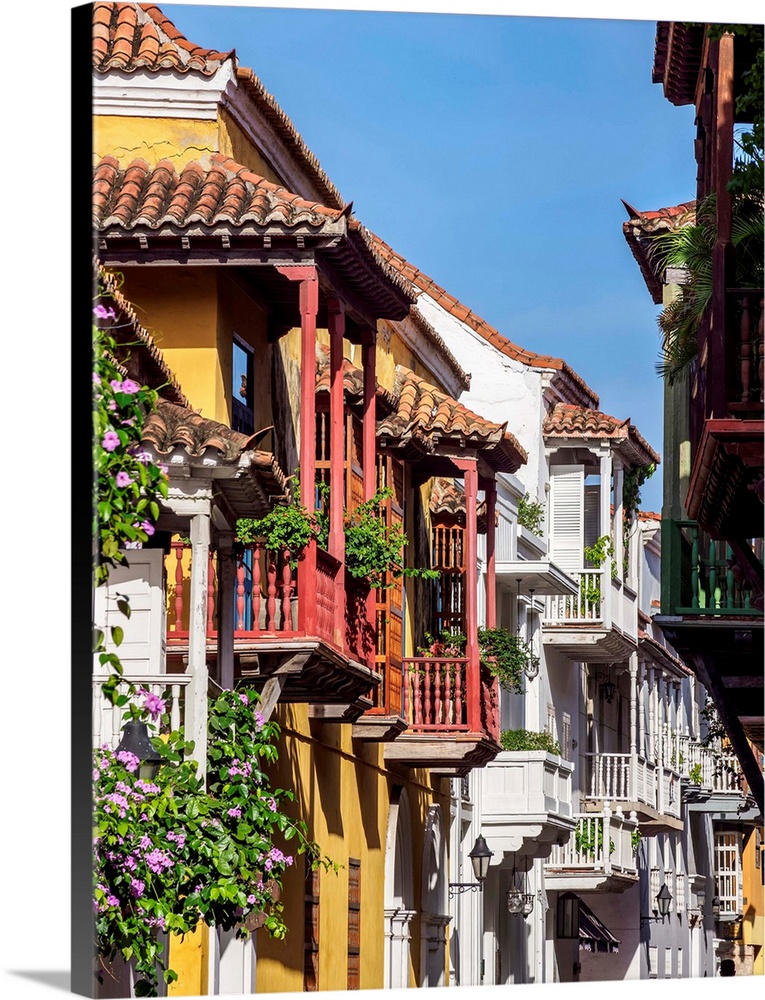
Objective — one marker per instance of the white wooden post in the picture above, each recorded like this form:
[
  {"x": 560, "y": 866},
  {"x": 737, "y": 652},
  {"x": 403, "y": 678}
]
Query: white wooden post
[
  {"x": 641, "y": 709},
  {"x": 226, "y": 582},
  {"x": 619, "y": 517},
  {"x": 196, "y": 706},
  {"x": 633, "y": 670},
  {"x": 606, "y": 838},
  {"x": 652, "y": 715},
  {"x": 605, "y": 529}
]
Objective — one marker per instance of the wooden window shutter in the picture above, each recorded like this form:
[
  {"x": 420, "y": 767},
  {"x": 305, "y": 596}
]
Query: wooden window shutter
[
  {"x": 591, "y": 514},
  {"x": 567, "y": 517},
  {"x": 354, "y": 923},
  {"x": 565, "y": 742},
  {"x": 311, "y": 957}
]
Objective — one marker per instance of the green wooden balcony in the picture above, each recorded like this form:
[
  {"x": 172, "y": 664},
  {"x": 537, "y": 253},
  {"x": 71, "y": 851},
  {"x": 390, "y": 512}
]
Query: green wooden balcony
[{"x": 702, "y": 577}]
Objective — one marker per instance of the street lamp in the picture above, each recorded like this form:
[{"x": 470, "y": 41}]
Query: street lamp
[
  {"x": 663, "y": 903},
  {"x": 715, "y": 906},
  {"x": 480, "y": 857},
  {"x": 136, "y": 740},
  {"x": 518, "y": 900}
]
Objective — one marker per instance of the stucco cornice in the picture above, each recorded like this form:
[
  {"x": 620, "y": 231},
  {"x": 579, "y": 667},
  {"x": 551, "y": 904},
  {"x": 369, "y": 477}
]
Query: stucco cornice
[{"x": 167, "y": 94}]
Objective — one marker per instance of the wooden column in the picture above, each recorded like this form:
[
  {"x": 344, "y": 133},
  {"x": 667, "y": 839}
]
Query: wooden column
[
  {"x": 633, "y": 668},
  {"x": 605, "y": 529},
  {"x": 619, "y": 517},
  {"x": 309, "y": 304},
  {"x": 641, "y": 710},
  {"x": 651, "y": 715},
  {"x": 336, "y": 323},
  {"x": 722, "y": 352},
  {"x": 196, "y": 693},
  {"x": 469, "y": 469},
  {"x": 491, "y": 537},
  {"x": 226, "y": 585},
  {"x": 368, "y": 459}
]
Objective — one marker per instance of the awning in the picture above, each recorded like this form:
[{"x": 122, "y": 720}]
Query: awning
[
  {"x": 539, "y": 575},
  {"x": 593, "y": 933}
]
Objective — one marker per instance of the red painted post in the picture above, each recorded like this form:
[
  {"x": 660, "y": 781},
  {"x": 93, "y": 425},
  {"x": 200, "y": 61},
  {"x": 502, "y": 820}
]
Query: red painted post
[
  {"x": 470, "y": 472},
  {"x": 309, "y": 305},
  {"x": 491, "y": 536},
  {"x": 368, "y": 458},
  {"x": 336, "y": 323}
]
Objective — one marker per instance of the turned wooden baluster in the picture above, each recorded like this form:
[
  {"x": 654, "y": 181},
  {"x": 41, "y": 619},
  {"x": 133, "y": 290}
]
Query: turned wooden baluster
[
  {"x": 271, "y": 591},
  {"x": 437, "y": 697},
  {"x": 287, "y": 589},
  {"x": 712, "y": 574},
  {"x": 746, "y": 349},
  {"x": 240, "y": 594},
  {"x": 255, "y": 598},
  {"x": 694, "y": 567},
  {"x": 179, "y": 588},
  {"x": 426, "y": 718},
  {"x": 730, "y": 582},
  {"x": 458, "y": 693},
  {"x": 448, "y": 706},
  {"x": 210, "y": 593},
  {"x": 417, "y": 681}
]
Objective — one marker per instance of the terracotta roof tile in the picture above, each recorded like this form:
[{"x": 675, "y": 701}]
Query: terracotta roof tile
[
  {"x": 131, "y": 36},
  {"x": 565, "y": 420},
  {"x": 142, "y": 359},
  {"x": 254, "y": 477},
  {"x": 639, "y": 231},
  {"x": 425, "y": 416},
  {"x": 224, "y": 192},
  {"x": 481, "y": 327},
  {"x": 648, "y": 515},
  {"x": 446, "y": 498}
]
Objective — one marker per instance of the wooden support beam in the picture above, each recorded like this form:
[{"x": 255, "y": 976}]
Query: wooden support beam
[
  {"x": 470, "y": 473},
  {"x": 196, "y": 694},
  {"x": 491, "y": 536},
  {"x": 226, "y": 585}
]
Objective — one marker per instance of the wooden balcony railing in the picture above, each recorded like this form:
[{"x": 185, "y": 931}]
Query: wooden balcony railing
[
  {"x": 436, "y": 697},
  {"x": 630, "y": 777},
  {"x": 602, "y": 843},
  {"x": 705, "y": 767},
  {"x": 108, "y": 720},
  {"x": 267, "y": 599},
  {"x": 704, "y": 577},
  {"x": 587, "y": 605}
]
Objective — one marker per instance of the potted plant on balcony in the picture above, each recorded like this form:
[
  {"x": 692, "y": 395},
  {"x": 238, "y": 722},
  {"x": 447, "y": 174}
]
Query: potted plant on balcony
[
  {"x": 524, "y": 739},
  {"x": 531, "y": 514},
  {"x": 505, "y": 654},
  {"x": 589, "y": 840}
]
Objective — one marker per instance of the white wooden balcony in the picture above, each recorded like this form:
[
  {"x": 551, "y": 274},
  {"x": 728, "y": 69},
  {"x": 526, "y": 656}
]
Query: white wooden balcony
[
  {"x": 108, "y": 719},
  {"x": 598, "y": 623},
  {"x": 601, "y": 856},
  {"x": 712, "y": 779},
  {"x": 652, "y": 789},
  {"x": 526, "y": 804}
]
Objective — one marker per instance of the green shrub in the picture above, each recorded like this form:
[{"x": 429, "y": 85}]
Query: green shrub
[{"x": 523, "y": 739}]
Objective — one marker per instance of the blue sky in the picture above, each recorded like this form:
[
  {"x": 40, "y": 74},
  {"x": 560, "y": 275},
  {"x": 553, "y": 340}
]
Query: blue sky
[{"x": 492, "y": 152}]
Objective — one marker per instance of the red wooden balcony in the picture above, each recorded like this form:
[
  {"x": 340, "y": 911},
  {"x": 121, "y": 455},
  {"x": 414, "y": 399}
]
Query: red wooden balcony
[
  {"x": 451, "y": 707},
  {"x": 726, "y": 418},
  {"x": 290, "y": 617}
]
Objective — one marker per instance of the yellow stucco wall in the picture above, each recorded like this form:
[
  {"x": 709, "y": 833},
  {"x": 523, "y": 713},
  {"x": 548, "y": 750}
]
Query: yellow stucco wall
[
  {"x": 154, "y": 139},
  {"x": 343, "y": 790},
  {"x": 234, "y": 143},
  {"x": 753, "y": 924}
]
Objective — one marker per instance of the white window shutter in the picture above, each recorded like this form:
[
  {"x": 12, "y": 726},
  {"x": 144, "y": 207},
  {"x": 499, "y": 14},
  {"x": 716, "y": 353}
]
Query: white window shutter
[
  {"x": 567, "y": 517},
  {"x": 142, "y": 650}
]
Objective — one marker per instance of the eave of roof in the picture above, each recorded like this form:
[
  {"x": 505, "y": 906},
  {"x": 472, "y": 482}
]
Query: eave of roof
[
  {"x": 567, "y": 421},
  {"x": 225, "y": 198},
  {"x": 129, "y": 37},
  {"x": 455, "y": 308},
  {"x": 426, "y": 417},
  {"x": 677, "y": 59},
  {"x": 639, "y": 230}
]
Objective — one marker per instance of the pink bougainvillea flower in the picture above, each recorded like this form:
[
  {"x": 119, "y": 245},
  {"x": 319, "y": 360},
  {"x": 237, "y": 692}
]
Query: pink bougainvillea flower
[
  {"x": 148, "y": 527},
  {"x": 130, "y": 387},
  {"x": 96, "y": 378},
  {"x": 116, "y": 384},
  {"x": 244, "y": 699},
  {"x": 101, "y": 312},
  {"x": 129, "y": 759},
  {"x": 153, "y": 704},
  {"x": 110, "y": 441},
  {"x": 122, "y": 479}
]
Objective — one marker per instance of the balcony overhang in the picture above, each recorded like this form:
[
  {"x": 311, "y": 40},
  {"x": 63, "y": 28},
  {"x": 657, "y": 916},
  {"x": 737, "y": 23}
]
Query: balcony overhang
[
  {"x": 578, "y": 880},
  {"x": 589, "y": 642},
  {"x": 539, "y": 575},
  {"x": 722, "y": 493},
  {"x": 450, "y": 755}
]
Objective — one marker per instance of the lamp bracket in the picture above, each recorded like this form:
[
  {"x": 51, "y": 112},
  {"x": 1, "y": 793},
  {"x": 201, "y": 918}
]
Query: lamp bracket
[{"x": 457, "y": 888}]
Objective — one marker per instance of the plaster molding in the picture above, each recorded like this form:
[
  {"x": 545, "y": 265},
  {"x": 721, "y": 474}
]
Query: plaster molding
[{"x": 167, "y": 94}]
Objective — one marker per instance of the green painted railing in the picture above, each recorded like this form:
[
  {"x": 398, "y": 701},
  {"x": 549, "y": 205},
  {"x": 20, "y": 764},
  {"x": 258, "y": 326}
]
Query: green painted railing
[{"x": 705, "y": 577}]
